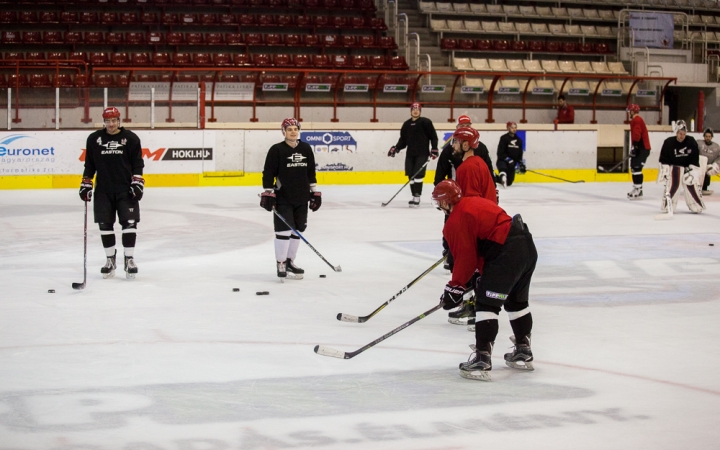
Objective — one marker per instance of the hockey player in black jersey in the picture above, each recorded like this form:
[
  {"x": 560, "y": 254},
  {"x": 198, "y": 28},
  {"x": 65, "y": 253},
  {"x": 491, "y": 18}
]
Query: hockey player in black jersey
[
  {"x": 290, "y": 188},
  {"x": 680, "y": 164},
  {"x": 510, "y": 155},
  {"x": 113, "y": 156},
  {"x": 417, "y": 133}
]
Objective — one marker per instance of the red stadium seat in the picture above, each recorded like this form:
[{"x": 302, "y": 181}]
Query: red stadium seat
[
  {"x": 207, "y": 19},
  {"x": 253, "y": 39},
  {"x": 165, "y": 77},
  {"x": 339, "y": 22},
  {"x": 601, "y": 48},
  {"x": 398, "y": 63},
  {"x": 347, "y": 4},
  {"x": 321, "y": 21},
  {"x": 35, "y": 56},
  {"x": 161, "y": 59},
  {"x": 448, "y": 44},
  {"x": 169, "y": 19},
  {"x": 40, "y": 80},
  {"x": 553, "y": 46},
  {"x": 10, "y": 37},
  {"x": 284, "y": 20},
  {"x": 155, "y": 38},
  {"x": 108, "y": 18},
  {"x": 49, "y": 17},
  {"x": 349, "y": 40},
  {"x": 262, "y": 60},
  {"x": 218, "y": 2},
  {"x": 32, "y": 37},
  {"x": 387, "y": 42},
  {"x": 119, "y": 59},
  {"x": 202, "y": 59},
  {"x": 301, "y": 60},
  {"x": 98, "y": 59},
  {"x": 53, "y": 37},
  {"x": 242, "y": 59},
  {"x": 222, "y": 59},
  {"x": 148, "y": 18},
  {"x": 78, "y": 56},
  {"x": 89, "y": 18},
  {"x": 186, "y": 78},
  {"x": 62, "y": 80},
  {"x": 586, "y": 48},
  {"x": 303, "y": 21},
  {"x": 133, "y": 38},
  {"x": 371, "y": 81},
  {"x": 377, "y": 23},
  {"x": 501, "y": 45},
  {"x": 57, "y": 56},
  {"x": 310, "y": 79},
  {"x": 188, "y": 19},
  {"x": 367, "y": 41},
  {"x": 214, "y": 38},
  {"x": 69, "y": 17},
  {"x": 292, "y": 40},
  {"x": 246, "y": 20},
  {"x": 73, "y": 37},
  {"x": 357, "y": 22},
  {"x": 265, "y": 20},
  {"x": 291, "y": 80},
  {"x": 518, "y": 46},
  {"x": 145, "y": 78},
  {"x": 234, "y": 39},
  {"x": 94, "y": 37},
  {"x": 330, "y": 40},
  {"x": 81, "y": 80},
  {"x": 228, "y": 19},
  {"x": 311, "y": 3},
  {"x": 8, "y": 17},
  {"x": 238, "y": 2},
  {"x": 379, "y": 62},
  {"x": 360, "y": 62},
  {"x": 466, "y": 44},
  {"x": 321, "y": 61},
  {"x": 122, "y": 80},
  {"x": 18, "y": 80},
  {"x": 230, "y": 78},
  {"x": 129, "y": 18},
  {"x": 15, "y": 56},
  {"x": 483, "y": 44},
  {"x": 332, "y": 80},
  {"x": 114, "y": 38},
  {"x": 273, "y": 39},
  {"x": 139, "y": 59},
  {"x": 181, "y": 59},
  {"x": 330, "y": 4},
  {"x": 536, "y": 46},
  {"x": 365, "y": 4},
  {"x": 275, "y": 3},
  {"x": 311, "y": 40},
  {"x": 256, "y": 3},
  {"x": 174, "y": 38},
  {"x": 103, "y": 80},
  {"x": 569, "y": 47},
  {"x": 194, "y": 39},
  {"x": 282, "y": 60},
  {"x": 28, "y": 17}
]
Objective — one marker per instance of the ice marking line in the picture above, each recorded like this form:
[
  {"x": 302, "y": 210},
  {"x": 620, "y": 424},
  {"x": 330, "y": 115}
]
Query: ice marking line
[{"x": 310, "y": 346}]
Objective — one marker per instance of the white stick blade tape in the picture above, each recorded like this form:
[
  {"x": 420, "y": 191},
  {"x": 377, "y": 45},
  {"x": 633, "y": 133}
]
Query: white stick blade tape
[
  {"x": 327, "y": 351},
  {"x": 349, "y": 318}
]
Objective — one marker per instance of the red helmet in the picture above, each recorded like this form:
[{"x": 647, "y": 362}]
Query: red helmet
[
  {"x": 634, "y": 108},
  {"x": 510, "y": 124},
  {"x": 447, "y": 191},
  {"x": 416, "y": 105},
  {"x": 289, "y": 122},
  {"x": 464, "y": 120},
  {"x": 110, "y": 113},
  {"x": 468, "y": 134}
]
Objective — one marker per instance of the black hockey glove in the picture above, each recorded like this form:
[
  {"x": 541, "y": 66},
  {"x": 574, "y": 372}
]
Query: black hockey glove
[
  {"x": 267, "y": 200},
  {"x": 137, "y": 186},
  {"x": 86, "y": 186},
  {"x": 392, "y": 151},
  {"x": 452, "y": 297},
  {"x": 434, "y": 153},
  {"x": 315, "y": 201},
  {"x": 521, "y": 167}
]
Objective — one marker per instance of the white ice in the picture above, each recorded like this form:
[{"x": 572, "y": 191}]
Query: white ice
[{"x": 626, "y": 312}]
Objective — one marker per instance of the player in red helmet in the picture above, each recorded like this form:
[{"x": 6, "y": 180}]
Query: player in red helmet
[
  {"x": 639, "y": 150},
  {"x": 290, "y": 188},
  {"x": 482, "y": 237},
  {"x": 510, "y": 155},
  {"x": 417, "y": 134},
  {"x": 113, "y": 156}
]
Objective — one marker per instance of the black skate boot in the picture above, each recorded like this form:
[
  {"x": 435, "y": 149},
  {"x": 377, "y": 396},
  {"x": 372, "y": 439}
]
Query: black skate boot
[
  {"x": 462, "y": 315},
  {"x": 479, "y": 364},
  {"x": 293, "y": 271},
  {"x": 108, "y": 270},
  {"x": 281, "y": 270},
  {"x": 131, "y": 269},
  {"x": 636, "y": 193},
  {"x": 521, "y": 356}
]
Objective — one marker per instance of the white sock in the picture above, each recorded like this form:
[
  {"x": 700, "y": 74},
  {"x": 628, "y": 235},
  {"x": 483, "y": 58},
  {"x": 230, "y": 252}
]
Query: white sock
[{"x": 293, "y": 248}]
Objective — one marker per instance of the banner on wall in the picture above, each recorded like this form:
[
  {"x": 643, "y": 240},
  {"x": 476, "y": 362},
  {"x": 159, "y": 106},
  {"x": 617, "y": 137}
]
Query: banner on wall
[
  {"x": 652, "y": 29},
  {"x": 330, "y": 141}
]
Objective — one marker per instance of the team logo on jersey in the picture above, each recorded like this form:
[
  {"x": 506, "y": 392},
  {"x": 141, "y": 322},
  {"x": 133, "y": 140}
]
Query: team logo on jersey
[
  {"x": 112, "y": 148},
  {"x": 296, "y": 160},
  {"x": 497, "y": 295},
  {"x": 513, "y": 143},
  {"x": 682, "y": 151}
]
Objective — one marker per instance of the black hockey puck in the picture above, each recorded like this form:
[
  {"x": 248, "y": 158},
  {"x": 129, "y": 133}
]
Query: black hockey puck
[
  {"x": 711, "y": 245},
  {"x": 51, "y": 291},
  {"x": 262, "y": 293},
  {"x": 236, "y": 289},
  {"x": 323, "y": 276}
]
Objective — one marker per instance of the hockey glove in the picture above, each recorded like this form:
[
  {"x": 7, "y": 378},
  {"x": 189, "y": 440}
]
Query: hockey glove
[
  {"x": 521, "y": 167},
  {"x": 267, "y": 200},
  {"x": 692, "y": 176},
  {"x": 633, "y": 151},
  {"x": 392, "y": 152},
  {"x": 452, "y": 297},
  {"x": 315, "y": 201},
  {"x": 434, "y": 153},
  {"x": 137, "y": 186},
  {"x": 86, "y": 187},
  {"x": 713, "y": 169}
]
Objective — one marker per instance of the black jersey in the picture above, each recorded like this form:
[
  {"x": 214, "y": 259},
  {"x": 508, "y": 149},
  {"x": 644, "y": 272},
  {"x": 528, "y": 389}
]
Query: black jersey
[
  {"x": 115, "y": 158},
  {"x": 447, "y": 162},
  {"x": 510, "y": 146},
  {"x": 290, "y": 171},
  {"x": 417, "y": 135},
  {"x": 683, "y": 153}
]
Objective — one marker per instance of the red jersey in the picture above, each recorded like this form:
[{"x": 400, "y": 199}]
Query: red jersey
[
  {"x": 566, "y": 114},
  {"x": 475, "y": 231},
  {"x": 639, "y": 132},
  {"x": 474, "y": 178}
]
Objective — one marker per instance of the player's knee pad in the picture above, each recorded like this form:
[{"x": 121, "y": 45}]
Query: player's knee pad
[
  {"x": 283, "y": 235},
  {"x": 694, "y": 199},
  {"x": 301, "y": 227},
  {"x": 294, "y": 236},
  {"x": 106, "y": 228},
  {"x": 129, "y": 225}
]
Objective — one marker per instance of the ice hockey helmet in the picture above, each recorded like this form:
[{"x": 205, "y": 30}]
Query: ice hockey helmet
[
  {"x": 289, "y": 122},
  {"x": 464, "y": 120},
  {"x": 680, "y": 125},
  {"x": 510, "y": 124},
  {"x": 417, "y": 106},
  {"x": 447, "y": 191},
  {"x": 110, "y": 113},
  {"x": 633, "y": 108},
  {"x": 468, "y": 134}
]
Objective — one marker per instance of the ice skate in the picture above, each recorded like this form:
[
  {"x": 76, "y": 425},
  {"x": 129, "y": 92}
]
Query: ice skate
[
  {"x": 707, "y": 192},
  {"x": 131, "y": 269},
  {"x": 281, "y": 271},
  {"x": 635, "y": 194},
  {"x": 521, "y": 357},
  {"x": 415, "y": 202},
  {"x": 108, "y": 270},
  {"x": 503, "y": 179},
  {"x": 479, "y": 364},
  {"x": 462, "y": 315},
  {"x": 471, "y": 325},
  {"x": 293, "y": 271}
]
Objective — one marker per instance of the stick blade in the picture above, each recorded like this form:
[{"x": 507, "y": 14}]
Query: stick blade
[
  {"x": 384, "y": 204},
  {"x": 664, "y": 216},
  {"x": 337, "y": 268},
  {"x": 347, "y": 318},
  {"x": 327, "y": 351},
  {"x": 78, "y": 286}
]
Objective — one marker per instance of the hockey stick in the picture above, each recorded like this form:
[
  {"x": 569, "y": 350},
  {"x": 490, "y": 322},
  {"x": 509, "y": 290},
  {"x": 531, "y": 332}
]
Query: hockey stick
[
  {"x": 557, "y": 178},
  {"x": 79, "y": 286},
  {"x": 602, "y": 169},
  {"x": 335, "y": 268},
  {"x": 348, "y": 318},
  {"x": 327, "y": 351},
  {"x": 408, "y": 182}
]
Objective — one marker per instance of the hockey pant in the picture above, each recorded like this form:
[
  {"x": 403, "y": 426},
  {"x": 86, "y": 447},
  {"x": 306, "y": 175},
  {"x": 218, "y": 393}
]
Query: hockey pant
[{"x": 673, "y": 177}]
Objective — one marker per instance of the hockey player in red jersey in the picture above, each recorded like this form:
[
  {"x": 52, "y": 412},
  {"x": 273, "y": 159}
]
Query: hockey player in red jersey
[
  {"x": 290, "y": 188},
  {"x": 114, "y": 154},
  {"x": 483, "y": 237},
  {"x": 639, "y": 150}
]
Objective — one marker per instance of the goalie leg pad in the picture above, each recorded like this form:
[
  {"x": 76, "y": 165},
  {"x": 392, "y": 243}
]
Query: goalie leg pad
[
  {"x": 693, "y": 198},
  {"x": 672, "y": 186}
]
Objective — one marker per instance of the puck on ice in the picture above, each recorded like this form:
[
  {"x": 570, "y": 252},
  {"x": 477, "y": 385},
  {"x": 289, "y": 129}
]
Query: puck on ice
[
  {"x": 51, "y": 291},
  {"x": 262, "y": 293},
  {"x": 236, "y": 289},
  {"x": 711, "y": 245},
  {"x": 322, "y": 276}
]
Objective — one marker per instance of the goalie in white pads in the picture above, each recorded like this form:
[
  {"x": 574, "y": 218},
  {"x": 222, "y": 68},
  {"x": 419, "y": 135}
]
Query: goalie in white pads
[
  {"x": 680, "y": 164},
  {"x": 711, "y": 151}
]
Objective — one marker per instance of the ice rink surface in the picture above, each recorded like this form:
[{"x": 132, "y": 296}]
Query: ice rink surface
[{"x": 626, "y": 312}]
